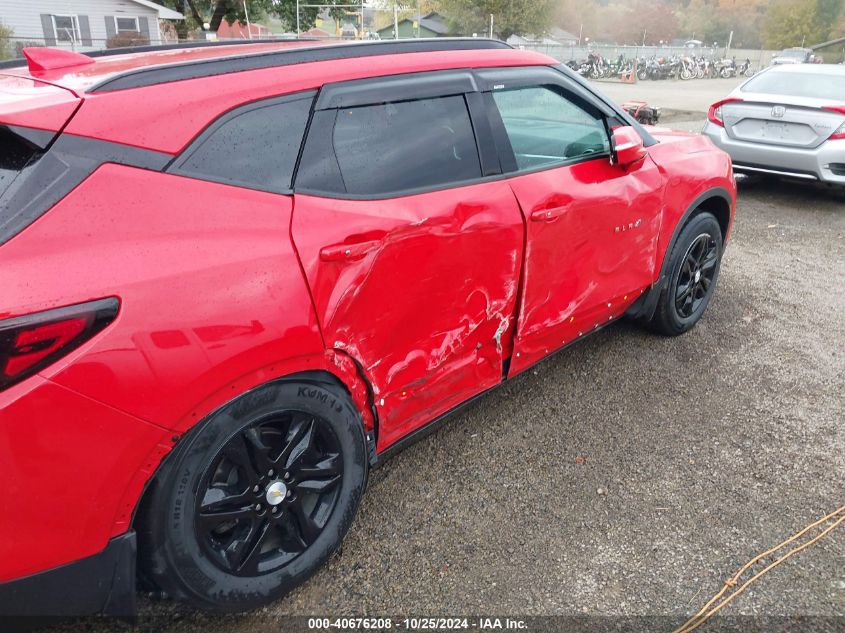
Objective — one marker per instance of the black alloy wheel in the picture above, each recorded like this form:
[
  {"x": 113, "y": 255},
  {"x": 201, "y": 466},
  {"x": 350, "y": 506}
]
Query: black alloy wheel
[
  {"x": 269, "y": 493},
  {"x": 255, "y": 498},
  {"x": 696, "y": 274},
  {"x": 691, "y": 271}
]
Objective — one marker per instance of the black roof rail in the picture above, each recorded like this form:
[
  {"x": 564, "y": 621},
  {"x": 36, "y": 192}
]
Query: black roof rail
[
  {"x": 149, "y": 48},
  {"x": 152, "y": 75}
]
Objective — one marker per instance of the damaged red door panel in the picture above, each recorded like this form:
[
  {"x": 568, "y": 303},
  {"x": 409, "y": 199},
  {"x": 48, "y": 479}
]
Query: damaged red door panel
[
  {"x": 591, "y": 248},
  {"x": 420, "y": 290}
]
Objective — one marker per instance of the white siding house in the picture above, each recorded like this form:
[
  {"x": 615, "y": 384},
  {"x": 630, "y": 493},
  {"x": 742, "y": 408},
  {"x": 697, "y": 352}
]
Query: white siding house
[{"x": 82, "y": 25}]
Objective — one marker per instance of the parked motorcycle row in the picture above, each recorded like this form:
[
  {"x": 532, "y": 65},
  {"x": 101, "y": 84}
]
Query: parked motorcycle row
[{"x": 655, "y": 68}]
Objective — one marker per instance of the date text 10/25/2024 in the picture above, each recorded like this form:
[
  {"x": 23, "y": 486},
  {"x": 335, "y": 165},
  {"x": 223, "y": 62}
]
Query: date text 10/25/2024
[{"x": 416, "y": 624}]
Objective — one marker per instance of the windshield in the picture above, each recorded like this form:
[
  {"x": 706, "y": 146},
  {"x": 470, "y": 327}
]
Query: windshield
[
  {"x": 812, "y": 85},
  {"x": 793, "y": 53}
]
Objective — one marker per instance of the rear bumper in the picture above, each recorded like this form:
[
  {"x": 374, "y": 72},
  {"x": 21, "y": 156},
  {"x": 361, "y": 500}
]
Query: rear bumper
[
  {"x": 825, "y": 163},
  {"x": 103, "y": 583}
]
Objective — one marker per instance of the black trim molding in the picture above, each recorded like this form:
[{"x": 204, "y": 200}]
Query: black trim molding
[
  {"x": 103, "y": 583},
  {"x": 152, "y": 75}
]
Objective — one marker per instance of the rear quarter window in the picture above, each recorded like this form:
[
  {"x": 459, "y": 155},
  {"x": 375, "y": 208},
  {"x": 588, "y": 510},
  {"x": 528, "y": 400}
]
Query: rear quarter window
[
  {"x": 255, "y": 146},
  {"x": 16, "y": 154}
]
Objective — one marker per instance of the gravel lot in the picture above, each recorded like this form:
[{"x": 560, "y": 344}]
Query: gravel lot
[{"x": 629, "y": 475}]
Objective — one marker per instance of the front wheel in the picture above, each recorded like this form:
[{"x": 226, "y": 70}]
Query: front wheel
[
  {"x": 257, "y": 498},
  {"x": 693, "y": 270}
]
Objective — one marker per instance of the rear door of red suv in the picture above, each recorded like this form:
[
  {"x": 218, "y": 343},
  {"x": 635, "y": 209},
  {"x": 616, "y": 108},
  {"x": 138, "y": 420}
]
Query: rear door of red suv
[{"x": 411, "y": 245}]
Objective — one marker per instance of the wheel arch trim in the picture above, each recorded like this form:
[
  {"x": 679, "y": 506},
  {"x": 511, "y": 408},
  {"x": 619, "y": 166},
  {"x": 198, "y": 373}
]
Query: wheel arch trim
[
  {"x": 333, "y": 366},
  {"x": 643, "y": 308}
]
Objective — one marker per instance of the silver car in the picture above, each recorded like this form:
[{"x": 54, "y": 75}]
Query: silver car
[
  {"x": 794, "y": 56},
  {"x": 787, "y": 120}
]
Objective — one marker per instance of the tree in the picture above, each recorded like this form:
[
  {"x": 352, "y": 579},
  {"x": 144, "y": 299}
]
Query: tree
[
  {"x": 213, "y": 12},
  {"x": 793, "y": 22},
  {"x": 5, "y": 42},
  {"x": 630, "y": 21},
  {"x": 520, "y": 17},
  {"x": 838, "y": 29},
  {"x": 745, "y": 18}
]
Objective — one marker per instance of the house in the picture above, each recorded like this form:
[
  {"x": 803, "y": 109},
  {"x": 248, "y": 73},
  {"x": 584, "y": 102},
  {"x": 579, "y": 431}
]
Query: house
[
  {"x": 431, "y": 25},
  {"x": 84, "y": 25},
  {"x": 318, "y": 32},
  {"x": 562, "y": 37},
  {"x": 555, "y": 37},
  {"x": 238, "y": 31}
]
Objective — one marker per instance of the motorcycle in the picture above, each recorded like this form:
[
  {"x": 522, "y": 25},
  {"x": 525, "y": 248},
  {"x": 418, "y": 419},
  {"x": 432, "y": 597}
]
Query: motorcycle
[
  {"x": 726, "y": 68},
  {"x": 689, "y": 68},
  {"x": 745, "y": 69}
]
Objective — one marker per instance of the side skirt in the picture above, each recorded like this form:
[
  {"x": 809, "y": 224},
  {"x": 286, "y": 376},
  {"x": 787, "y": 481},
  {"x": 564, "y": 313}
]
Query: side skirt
[{"x": 426, "y": 429}]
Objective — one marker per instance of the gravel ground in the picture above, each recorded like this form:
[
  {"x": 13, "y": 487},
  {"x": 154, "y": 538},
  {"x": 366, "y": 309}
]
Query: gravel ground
[{"x": 629, "y": 475}]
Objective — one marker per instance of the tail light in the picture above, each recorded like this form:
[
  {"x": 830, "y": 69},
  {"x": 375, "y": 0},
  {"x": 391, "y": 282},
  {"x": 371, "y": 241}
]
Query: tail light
[
  {"x": 839, "y": 133},
  {"x": 30, "y": 343},
  {"x": 714, "y": 115}
]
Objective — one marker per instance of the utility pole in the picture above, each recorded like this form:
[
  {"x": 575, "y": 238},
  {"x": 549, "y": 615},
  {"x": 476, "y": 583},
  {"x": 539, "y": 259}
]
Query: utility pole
[
  {"x": 248, "y": 27},
  {"x": 580, "y": 34},
  {"x": 395, "y": 21},
  {"x": 491, "y": 26},
  {"x": 297, "y": 18}
]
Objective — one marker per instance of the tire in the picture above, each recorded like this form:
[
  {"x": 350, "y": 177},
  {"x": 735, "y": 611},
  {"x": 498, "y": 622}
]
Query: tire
[
  {"x": 298, "y": 516},
  {"x": 692, "y": 275}
]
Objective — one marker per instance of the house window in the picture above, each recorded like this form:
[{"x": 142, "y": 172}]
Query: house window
[
  {"x": 126, "y": 25},
  {"x": 66, "y": 28}
]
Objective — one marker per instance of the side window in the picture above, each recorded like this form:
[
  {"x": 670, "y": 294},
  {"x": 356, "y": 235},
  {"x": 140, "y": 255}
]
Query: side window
[
  {"x": 393, "y": 147},
  {"x": 545, "y": 128},
  {"x": 255, "y": 146}
]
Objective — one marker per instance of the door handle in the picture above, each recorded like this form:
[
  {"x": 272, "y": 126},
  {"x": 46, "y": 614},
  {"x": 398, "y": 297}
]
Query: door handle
[
  {"x": 547, "y": 215},
  {"x": 348, "y": 252}
]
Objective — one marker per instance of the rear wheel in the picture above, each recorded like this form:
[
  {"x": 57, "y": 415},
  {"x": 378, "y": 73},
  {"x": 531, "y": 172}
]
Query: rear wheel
[
  {"x": 693, "y": 270},
  {"x": 255, "y": 500}
]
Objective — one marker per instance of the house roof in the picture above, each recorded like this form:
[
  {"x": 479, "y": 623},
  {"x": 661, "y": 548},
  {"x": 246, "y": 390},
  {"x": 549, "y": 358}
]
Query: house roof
[
  {"x": 557, "y": 33},
  {"x": 163, "y": 12},
  {"x": 316, "y": 31},
  {"x": 238, "y": 30},
  {"x": 433, "y": 21}
]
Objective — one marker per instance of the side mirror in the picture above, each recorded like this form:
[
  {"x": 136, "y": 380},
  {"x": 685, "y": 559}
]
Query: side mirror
[{"x": 627, "y": 146}]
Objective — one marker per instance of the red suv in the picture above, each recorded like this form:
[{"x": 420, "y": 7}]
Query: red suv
[{"x": 234, "y": 278}]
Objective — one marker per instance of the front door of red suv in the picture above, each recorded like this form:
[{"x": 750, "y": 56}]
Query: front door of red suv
[
  {"x": 412, "y": 258},
  {"x": 591, "y": 227}
]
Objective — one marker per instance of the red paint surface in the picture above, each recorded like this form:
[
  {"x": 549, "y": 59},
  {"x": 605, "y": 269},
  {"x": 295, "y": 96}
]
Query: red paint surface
[
  {"x": 67, "y": 460},
  {"x": 437, "y": 291},
  {"x": 158, "y": 123},
  {"x": 43, "y": 58},
  {"x": 32, "y": 103},
  {"x": 427, "y": 304},
  {"x": 591, "y": 247}
]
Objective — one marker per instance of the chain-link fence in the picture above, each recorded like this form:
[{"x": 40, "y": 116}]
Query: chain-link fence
[{"x": 759, "y": 58}]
